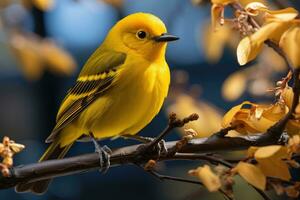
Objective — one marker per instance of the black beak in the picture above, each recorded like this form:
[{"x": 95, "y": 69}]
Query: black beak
[{"x": 165, "y": 37}]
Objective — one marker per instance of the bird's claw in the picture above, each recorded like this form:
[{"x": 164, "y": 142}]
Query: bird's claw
[
  {"x": 104, "y": 157},
  {"x": 160, "y": 148}
]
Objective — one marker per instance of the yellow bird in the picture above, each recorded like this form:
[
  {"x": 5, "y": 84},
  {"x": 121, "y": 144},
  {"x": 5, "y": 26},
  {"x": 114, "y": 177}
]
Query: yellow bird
[{"x": 118, "y": 92}]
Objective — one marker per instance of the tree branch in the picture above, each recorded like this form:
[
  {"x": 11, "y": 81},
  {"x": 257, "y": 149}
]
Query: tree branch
[{"x": 122, "y": 156}]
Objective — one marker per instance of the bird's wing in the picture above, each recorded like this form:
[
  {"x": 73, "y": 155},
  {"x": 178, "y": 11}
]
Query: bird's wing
[{"x": 95, "y": 78}]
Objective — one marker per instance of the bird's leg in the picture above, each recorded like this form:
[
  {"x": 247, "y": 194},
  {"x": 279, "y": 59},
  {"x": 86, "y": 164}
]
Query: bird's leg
[
  {"x": 104, "y": 154},
  {"x": 160, "y": 147}
]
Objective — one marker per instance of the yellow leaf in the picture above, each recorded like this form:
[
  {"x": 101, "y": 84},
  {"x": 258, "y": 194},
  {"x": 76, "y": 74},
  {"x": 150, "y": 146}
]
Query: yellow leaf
[
  {"x": 288, "y": 95},
  {"x": 233, "y": 133},
  {"x": 8, "y": 161},
  {"x": 228, "y": 117},
  {"x": 209, "y": 116},
  {"x": 209, "y": 179},
  {"x": 252, "y": 174},
  {"x": 276, "y": 151},
  {"x": 276, "y": 35},
  {"x": 234, "y": 86},
  {"x": 243, "y": 123},
  {"x": 270, "y": 161},
  {"x": 57, "y": 59},
  {"x": 258, "y": 112},
  {"x": 32, "y": 65},
  {"x": 27, "y": 53},
  {"x": 275, "y": 112},
  {"x": 217, "y": 11},
  {"x": 254, "y": 119},
  {"x": 286, "y": 14},
  {"x": 293, "y": 127},
  {"x": 214, "y": 42},
  {"x": 260, "y": 125},
  {"x": 290, "y": 43},
  {"x": 247, "y": 50},
  {"x": 254, "y": 8},
  {"x": 250, "y": 46},
  {"x": 43, "y": 5},
  {"x": 251, "y": 151},
  {"x": 16, "y": 148},
  {"x": 244, "y": 120},
  {"x": 274, "y": 168}
]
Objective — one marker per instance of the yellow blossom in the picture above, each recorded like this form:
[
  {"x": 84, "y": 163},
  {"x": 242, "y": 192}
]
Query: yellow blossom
[
  {"x": 270, "y": 161},
  {"x": 254, "y": 8},
  {"x": 250, "y": 46},
  {"x": 208, "y": 177},
  {"x": 234, "y": 86},
  {"x": 286, "y": 14},
  {"x": 214, "y": 41},
  {"x": 293, "y": 125},
  {"x": 217, "y": 11},
  {"x": 209, "y": 116},
  {"x": 290, "y": 43},
  {"x": 36, "y": 54},
  {"x": 276, "y": 23},
  {"x": 252, "y": 174},
  {"x": 250, "y": 118}
]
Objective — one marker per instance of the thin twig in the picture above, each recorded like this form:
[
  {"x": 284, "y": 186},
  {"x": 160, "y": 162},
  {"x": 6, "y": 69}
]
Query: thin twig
[
  {"x": 262, "y": 193},
  {"x": 173, "y": 178},
  {"x": 206, "y": 157},
  {"x": 276, "y": 130},
  {"x": 185, "y": 180},
  {"x": 296, "y": 90},
  {"x": 173, "y": 123}
]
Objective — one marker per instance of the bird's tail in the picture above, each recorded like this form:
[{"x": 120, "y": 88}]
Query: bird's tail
[{"x": 54, "y": 151}]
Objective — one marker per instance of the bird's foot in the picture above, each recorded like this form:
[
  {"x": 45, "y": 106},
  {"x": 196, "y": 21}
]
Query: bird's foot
[
  {"x": 104, "y": 156},
  {"x": 160, "y": 148}
]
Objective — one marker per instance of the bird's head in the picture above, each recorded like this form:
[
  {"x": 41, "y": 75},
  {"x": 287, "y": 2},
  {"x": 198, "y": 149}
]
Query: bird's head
[{"x": 141, "y": 33}]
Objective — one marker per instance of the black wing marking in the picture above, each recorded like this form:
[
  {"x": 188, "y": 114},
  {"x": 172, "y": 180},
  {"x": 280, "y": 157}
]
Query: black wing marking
[
  {"x": 90, "y": 85},
  {"x": 73, "y": 111}
]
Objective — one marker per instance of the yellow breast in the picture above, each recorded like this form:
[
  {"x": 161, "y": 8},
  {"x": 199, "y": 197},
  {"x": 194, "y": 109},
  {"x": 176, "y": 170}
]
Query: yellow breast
[{"x": 132, "y": 102}]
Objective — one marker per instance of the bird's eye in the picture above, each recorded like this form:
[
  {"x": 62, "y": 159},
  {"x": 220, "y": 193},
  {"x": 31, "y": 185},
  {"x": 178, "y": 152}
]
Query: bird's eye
[{"x": 141, "y": 34}]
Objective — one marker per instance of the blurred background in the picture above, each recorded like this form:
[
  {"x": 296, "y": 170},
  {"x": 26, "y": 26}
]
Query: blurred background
[{"x": 44, "y": 44}]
